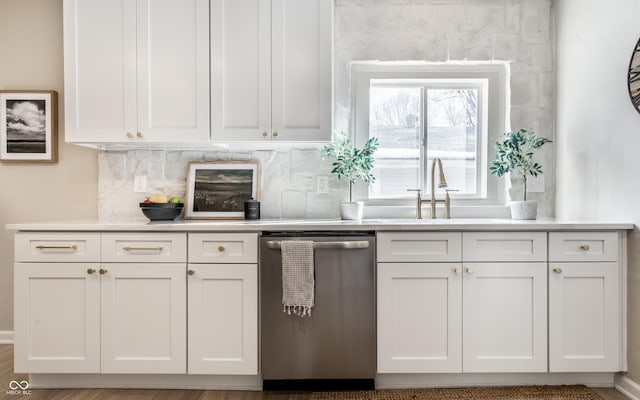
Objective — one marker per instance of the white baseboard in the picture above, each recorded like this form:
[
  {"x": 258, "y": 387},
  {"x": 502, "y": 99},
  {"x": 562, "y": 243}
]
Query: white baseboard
[
  {"x": 6, "y": 337},
  {"x": 628, "y": 387},
  {"x": 404, "y": 381}
]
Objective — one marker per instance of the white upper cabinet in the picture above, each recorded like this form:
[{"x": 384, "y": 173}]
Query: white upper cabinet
[
  {"x": 271, "y": 70},
  {"x": 136, "y": 70}
]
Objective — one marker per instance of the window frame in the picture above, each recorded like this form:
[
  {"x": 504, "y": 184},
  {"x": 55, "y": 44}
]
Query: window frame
[{"x": 496, "y": 114}]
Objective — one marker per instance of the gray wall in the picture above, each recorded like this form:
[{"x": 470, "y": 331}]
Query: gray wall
[
  {"x": 31, "y": 43},
  {"x": 598, "y": 131}
]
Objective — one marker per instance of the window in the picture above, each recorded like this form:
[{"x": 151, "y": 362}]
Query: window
[{"x": 420, "y": 113}]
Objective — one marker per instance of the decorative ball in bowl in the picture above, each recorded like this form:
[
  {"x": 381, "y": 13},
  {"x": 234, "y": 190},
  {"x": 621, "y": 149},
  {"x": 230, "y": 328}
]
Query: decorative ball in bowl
[{"x": 161, "y": 211}]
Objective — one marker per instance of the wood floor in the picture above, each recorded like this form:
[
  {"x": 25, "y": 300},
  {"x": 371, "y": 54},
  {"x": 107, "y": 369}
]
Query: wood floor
[{"x": 7, "y": 375}]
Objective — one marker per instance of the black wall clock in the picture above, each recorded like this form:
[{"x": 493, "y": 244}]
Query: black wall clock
[{"x": 634, "y": 77}]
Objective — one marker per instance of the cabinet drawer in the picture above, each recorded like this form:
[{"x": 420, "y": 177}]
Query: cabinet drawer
[
  {"x": 223, "y": 248},
  {"x": 583, "y": 246},
  {"x": 419, "y": 247},
  {"x": 57, "y": 247},
  {"x": 504, "y": 246},
  {"x": 144, "y": 247}
]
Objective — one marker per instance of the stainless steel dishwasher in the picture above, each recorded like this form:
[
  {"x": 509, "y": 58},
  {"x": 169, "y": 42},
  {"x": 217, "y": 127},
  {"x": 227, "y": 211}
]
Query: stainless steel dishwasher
[{"x": 335, "y": 347}]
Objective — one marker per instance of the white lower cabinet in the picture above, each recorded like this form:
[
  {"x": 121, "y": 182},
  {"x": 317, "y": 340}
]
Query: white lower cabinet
[
  {"x": 81, "y": 314},
  {"x": 471, "y": 316},
  {"x": 223, "y": 303},
  {"x": 505, "y": 317},
  {"x": 57, "y": 318},
  {"x": 143, "y": 318},
  {"x": 584, "y": 317},
  {"x": 419, "y": 317},
  {"x": 585, "y": 302},
  {"x": 100, "y": 318},
  {"x": 223, "y": 319}
]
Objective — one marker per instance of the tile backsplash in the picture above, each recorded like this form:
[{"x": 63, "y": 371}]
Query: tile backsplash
[{"x": 288, "y": 184}]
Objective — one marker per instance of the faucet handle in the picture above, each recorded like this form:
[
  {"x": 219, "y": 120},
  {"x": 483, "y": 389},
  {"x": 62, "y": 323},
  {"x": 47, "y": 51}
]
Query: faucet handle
[{"x": 415, "y": 190}]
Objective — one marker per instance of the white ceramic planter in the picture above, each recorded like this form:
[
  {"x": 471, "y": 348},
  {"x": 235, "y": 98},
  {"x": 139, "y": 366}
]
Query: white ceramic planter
[
  {"x": 524, "y": 209},
  {"x": 351, "y": 209}
]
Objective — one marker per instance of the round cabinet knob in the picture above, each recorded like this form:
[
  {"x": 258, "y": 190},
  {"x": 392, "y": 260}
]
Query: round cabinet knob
[
  {"x": 456, "y": 270},
  {"x": 265, "y": 134},
  {"x": 129, "y": 135},
  {"x": 191, "y": 272},
  {"x": 91, "y": 271},
  {"x": 139, "y": 135},
  {"x": 469, "y": 271},
  {"x": 585, "y": 247},
  {"x": 221, "y": 249},
  {"x": 557, "y": 270},
  {"x": 102, "y": 271},
  {"x": 275, "y": 134}
]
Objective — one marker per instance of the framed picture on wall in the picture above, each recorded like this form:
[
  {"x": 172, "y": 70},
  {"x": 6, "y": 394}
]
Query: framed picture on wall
[
  {"x": 28, "y": 126},
  {"x": 218, "y": 190}
]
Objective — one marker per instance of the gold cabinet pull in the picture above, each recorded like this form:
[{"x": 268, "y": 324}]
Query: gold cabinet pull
[
  {"x": 129, "y": 135},
  {"x": 265, "y": 134},
  {"x": 456, "y": 270},
  {"x": 130, "y": 248},
  {"x": 557, "y": 270},
  {"x": 469, "y": 270},
  {"x": 221, "y": 249},
  {"x": 275, "y": 134},
  {"x": 585, "y": 247},
  {"x": 91, "y": 271},
  {"x": 47, "y": 247},
  {"x": 102, "y": 271},
  {"x": 191, "y": 272},
  {"x": 139, "y": 135}
]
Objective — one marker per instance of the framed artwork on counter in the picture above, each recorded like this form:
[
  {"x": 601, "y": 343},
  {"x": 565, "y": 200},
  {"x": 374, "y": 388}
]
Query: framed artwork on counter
[
  {"x": 218, "y": 190},
  {"x": 28, "y": 126}
]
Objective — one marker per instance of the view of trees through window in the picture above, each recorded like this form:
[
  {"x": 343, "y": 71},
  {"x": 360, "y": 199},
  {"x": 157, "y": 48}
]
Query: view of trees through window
[{"x": 396, "y": 118}]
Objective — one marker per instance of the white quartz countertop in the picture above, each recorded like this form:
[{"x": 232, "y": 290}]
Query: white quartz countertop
[{"x": 479, "y": 224}]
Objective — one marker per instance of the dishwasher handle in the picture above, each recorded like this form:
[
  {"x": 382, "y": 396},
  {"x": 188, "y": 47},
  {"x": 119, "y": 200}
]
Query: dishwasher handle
[{"x": 346, "y": 245}]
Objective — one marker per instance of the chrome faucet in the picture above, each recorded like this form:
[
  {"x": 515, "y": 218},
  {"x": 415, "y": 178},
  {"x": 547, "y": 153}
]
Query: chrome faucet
[{"x": 442, "y": 182}]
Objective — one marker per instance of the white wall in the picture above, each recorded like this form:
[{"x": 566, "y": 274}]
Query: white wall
[
  {"x": 598, "y": 130},
  {"x": 31, "y": 46}
]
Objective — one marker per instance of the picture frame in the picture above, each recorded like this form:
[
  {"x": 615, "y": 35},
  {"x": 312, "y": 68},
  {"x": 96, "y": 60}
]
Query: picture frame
[
  {"x": 218, "y": 190},
  {"x": 29, "y": 126}
]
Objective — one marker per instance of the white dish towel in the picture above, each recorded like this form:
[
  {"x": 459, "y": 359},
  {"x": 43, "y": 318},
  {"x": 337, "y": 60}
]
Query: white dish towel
[{"x": 297, "y": 277}]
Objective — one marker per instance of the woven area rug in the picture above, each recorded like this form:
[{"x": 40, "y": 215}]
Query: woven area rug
[{"x": 574, "y": 392}]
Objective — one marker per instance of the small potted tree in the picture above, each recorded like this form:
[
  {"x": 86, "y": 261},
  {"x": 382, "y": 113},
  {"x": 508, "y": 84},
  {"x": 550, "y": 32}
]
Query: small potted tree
[
  {"x": 514, "y": 154},
  {"x": 354, "y": 164}
]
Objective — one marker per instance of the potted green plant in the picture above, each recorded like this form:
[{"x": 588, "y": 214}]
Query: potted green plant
[
  {"x": 354, "y": 164},
  {"x": 514, "y": 154}
]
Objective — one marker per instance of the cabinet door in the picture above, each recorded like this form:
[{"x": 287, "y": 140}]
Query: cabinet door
[
  {"x": 223, "y": 319},
  {"x": 584, "y": 317},
  {"x": 100, "y": 70},
  {"x": 419, "y": 318},
  {"x": 143, "y": 318},
  {"x": 240, "y": 70},
  {"x": 505, "y": 317},
  {"x": 301, "y": 70},
  {"x": 173, "y": 70},
  {"x": 57, "y": 318}
]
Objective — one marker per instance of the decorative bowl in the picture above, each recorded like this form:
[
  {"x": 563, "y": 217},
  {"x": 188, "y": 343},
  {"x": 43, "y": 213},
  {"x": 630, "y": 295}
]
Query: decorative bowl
[{"x": 161, "y": 211}]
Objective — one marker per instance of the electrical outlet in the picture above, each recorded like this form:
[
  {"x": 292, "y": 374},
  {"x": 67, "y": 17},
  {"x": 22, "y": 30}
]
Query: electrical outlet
[
  {"x": 140, "y": 184},
  {"x": 322, "y": 184}
]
